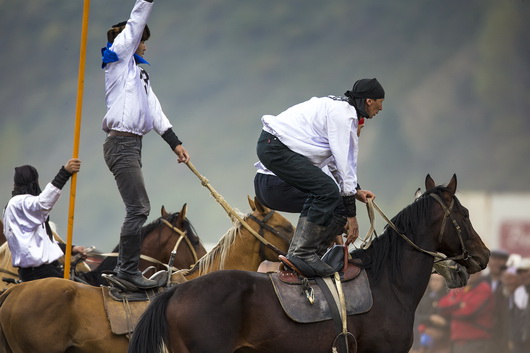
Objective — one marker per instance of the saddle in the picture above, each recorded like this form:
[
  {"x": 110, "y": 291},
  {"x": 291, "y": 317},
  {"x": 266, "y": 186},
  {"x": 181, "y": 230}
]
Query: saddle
[
  {"x": 124, "y": 309},
  {"x": 125, "y": 303},
  {"x": 303, "y": 300}
]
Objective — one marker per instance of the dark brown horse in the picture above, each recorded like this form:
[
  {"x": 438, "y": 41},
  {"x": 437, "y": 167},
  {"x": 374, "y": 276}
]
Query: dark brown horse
[
  {"x": 159, "y": 238},
  {"x": 238, "y": 311}
]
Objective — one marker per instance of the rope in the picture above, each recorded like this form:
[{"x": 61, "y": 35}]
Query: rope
[
  {"x": 145, "y": 257},
  {"x": 231, "y": 213}
]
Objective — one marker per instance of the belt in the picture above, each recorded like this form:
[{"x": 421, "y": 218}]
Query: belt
[{"x": 122, "y": 133}]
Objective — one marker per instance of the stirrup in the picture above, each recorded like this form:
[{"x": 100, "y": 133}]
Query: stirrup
[
  {"x": 288, "y": 265},
  {"x": 120, "y": 284},
  {"x": 301, "y": 267}
]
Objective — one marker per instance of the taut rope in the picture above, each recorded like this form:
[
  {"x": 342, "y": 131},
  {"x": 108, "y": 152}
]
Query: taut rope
[{"x": 229, "y": 210}]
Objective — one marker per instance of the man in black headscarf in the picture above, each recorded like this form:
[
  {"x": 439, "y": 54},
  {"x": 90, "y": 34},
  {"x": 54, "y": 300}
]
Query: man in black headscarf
[
  {"x": 26, "y": 225},
  {"x": 296, "y": 144}
]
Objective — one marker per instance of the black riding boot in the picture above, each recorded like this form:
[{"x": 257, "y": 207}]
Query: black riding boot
[
  {"x": 129, "y": 258},
  {"x": 335, "y": 228},
  {"x": 306, "y": 241},
  {"x": 295, "y": 241}
]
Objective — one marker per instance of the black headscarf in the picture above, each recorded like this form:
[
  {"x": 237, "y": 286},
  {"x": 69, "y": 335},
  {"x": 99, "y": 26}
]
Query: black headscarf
[
  {"x": 363, "y": 89},
  {"x": 26, "y": 181}
]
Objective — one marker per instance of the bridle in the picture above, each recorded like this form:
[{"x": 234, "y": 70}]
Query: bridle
[
  {"x": 169, "y": 265},
  {"x": 437, "y": 255},
  {"x": 183, "y": 236},
  {"x": 264, "y": 226},
  {"x": 448, "y": 214}
]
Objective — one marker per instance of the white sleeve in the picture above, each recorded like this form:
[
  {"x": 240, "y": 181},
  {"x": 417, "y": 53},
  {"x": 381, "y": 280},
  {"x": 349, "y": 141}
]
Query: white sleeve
[
  {"x": 343, "y": 143},
  {"x": 127, "y": 41},
  {"x": 31, "y": 211},
  {"x": 160, "y": 121}
]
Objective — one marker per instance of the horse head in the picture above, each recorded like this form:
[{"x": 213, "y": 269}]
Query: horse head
[
  {"x": 171, "y": 232},
  {"x": 457, "y": 238},
  {"x": 273, "y": 227}
]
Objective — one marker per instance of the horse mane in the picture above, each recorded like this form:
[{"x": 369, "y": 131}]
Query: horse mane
[
  {"x": 388, "y": 247},
  {"x": 220, "y": 251}
]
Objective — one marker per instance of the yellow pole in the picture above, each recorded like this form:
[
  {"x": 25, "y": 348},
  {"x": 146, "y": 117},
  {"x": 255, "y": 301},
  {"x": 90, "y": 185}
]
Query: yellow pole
[{"x": 77, "y": 133}]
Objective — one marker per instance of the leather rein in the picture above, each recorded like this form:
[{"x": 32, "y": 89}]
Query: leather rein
[{"x": 437, "y": 255}]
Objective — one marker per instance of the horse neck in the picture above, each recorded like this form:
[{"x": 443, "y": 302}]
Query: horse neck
[
  {"x": 244, "y": 253},
  {"x": 409, "y": 286}
]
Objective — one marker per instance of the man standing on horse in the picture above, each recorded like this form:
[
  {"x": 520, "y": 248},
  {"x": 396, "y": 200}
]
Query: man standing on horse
[
  {"x": 132, "y": 111},
  {"x": 26, "y": 222},
  {"x": 297, "y": 143}
]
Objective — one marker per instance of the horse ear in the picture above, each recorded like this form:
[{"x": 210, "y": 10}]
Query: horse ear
[
  {"x": 164, "y": 212},
  {"x": 429, "y": 182},
  {"x": 261, "y": 209},
  {"x": 184, "y": 211},
  {"x": 251, "y": 203},
  {"x": 417, "y": 194},
  {"x": 451, "y": 187}
]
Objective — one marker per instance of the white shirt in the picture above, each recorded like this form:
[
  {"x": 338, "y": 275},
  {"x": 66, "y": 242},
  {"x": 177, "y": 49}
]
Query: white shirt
[
  {"x": 25, "y": 231},
  {"x": 325, "y": 131},
  {"x": 520, "y": 297},
  {"x": 132, "y": 105}
]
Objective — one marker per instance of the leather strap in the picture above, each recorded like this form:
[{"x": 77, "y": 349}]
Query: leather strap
[{"x": 333, "y": 307}]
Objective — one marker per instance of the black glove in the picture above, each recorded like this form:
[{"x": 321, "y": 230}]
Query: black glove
[
  {"x": 349, "y": 204},
  {"x": 61, "y": 178}
]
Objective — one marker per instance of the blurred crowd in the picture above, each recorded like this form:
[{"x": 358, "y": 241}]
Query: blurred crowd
[{"x": 489, "y": 315}]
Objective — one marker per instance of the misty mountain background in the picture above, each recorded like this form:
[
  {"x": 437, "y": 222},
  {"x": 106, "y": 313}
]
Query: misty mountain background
[{"x": 456, "y": 75}]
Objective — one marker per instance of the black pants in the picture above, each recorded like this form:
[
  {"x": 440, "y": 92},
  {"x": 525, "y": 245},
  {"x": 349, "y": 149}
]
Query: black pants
[
  {"x": 276, "y": 194},
  {"x": 324, "y": 197},
  {"x": 123, "y": 155},
  {"x": 43, "y": 271}
]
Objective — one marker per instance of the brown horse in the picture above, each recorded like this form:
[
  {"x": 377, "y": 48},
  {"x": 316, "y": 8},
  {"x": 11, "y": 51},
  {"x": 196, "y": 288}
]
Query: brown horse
[
  {"x": 238, "y": 249},
  {"x": 66, "y": 316},
  {"x": 2, "y": 235},
  {"x": 238, "y": 311}
]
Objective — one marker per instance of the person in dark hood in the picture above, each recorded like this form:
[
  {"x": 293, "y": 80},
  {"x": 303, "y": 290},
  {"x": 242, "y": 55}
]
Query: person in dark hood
[
  {"x": 296, "y": 144},
  {"x": 26, "y": 222}
]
